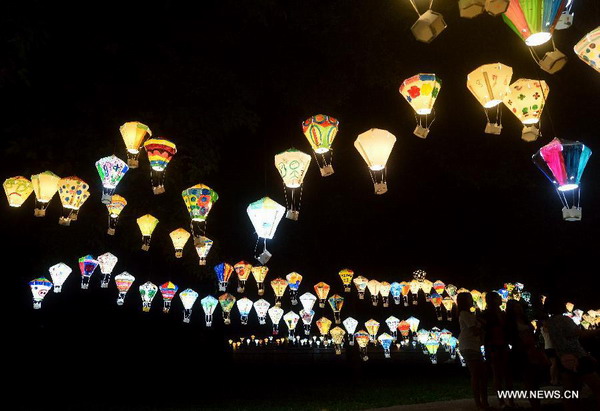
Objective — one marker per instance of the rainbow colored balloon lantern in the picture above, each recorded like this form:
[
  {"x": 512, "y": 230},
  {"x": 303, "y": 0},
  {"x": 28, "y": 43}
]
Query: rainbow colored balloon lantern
[
  {"x": 168, "y": 291},
  {"x": 320, "y": 131},
  {"x": 160, "y": 153}
]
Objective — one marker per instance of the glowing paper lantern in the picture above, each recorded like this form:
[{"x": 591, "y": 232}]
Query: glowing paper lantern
[
  {"x": 261, "y": 307},
  {"x": 260, "y": 273},
  {"x": 244, "y": 306},
  {"x": 350, "y": 326},
  {"x": 292, "y": 165},
  {"x": 243, "y": 270},
  {"x": 322, "y": 290},
  {"x": 188, "y": 298},
  {"x": 116, "y": 205},
  {"x": 588, "y": 49},
  {"x": 324, "y": 324},
  {"x": 223, "y": 272},
  {"x": 451, "y": 290},
  {"x": 168, "y": 291},
  {"x": 526, "y": 101},
  {"x": 414, "y": 324},
  {"x": 439, "y": 287},
  {"x": 337, "y": 336},
  {"x": 419, "y": 275},
  {"x": 87, "y": 266},
  {"x": 307, "y": 317},
  {"x": 320, "y": 130},
  {"x": 432, "y": 348},
  {"x": 429, "y": 25},
  {"x": 346, "y": 276},
  {"x": 147, "y": 224},
  {"x": 360, "y": 283},
  {"x": 405, "y": 290},
  {"x": 336, "y": 302},
  {"x": 436, "y": 300},
  {"x": 415, "y": 286},
  {"x": 265, "y": 215},
  {"x": 209, "y": 303},
  {"x": 375, "y": 146},
  {"x": 279, "y": 285},
  {"x": 396, "y": 291},
  {"x": 563, "y": 163},
  {"x": 362, "y": 339},
  {"x": 308, "y": 301},
  {"x": 489, "y": 84},
  {"x": 111, "y": 170},
  {"x": 107, "y": 262},
  {"x": 160, "y": 152},
  {"x": 134, "y": 133},
  {"x": 199, "y": 200},
  {"x": 39, "y": 288},
  {"x": 294, "y": 279},
  {"x": 426, "y": 286},
  {"x": 203, "y": 246},
  {"x": 404, "y": 328},
  {"x": 386, "y": 342},
  {"x": 448, "y": 304},
  {"x": 384, "y": 291},
  {"x": 59, "y": 273},
  {"x": 392, "y": 323},
  {"x": 17, "y": 190},
  {"x": 373, "y": 286},
  {"x": 123, "y": 282},
  {"x": 275, "y": 314},
  {"x": 45, "y": 185},
  {"x": 179, "y": 237},
  {"x": 148, "y": 291},
  {"x": 372, "y": 327},
  {"x": 534, "y": 20},
  {"x": 73, "y": 192},
  {"x": 421, "y": 91},
  {"x": 227, "y": 301},
  {"x": 291, "y": 320}
]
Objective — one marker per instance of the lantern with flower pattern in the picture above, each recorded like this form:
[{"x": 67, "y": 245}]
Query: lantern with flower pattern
[{"x": 421, "y": 91}]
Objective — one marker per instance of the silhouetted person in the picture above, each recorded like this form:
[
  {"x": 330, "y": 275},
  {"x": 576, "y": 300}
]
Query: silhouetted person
[{"x": 549, "y": 350}]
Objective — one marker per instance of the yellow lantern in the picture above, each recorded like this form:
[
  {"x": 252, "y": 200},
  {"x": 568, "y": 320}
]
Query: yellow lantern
[
  {"x": 448, "y": 303},
  {"x": 414, "y": 287},
  {"x": 375, "y": 147},
  {"x": 45, "y": 185},
  {"x": 73, "y": 192},
  {"x": 320, "y": 130},
  {"x": 526, "y": 101},
  {"x": 179, "y": 237},
  {"x": 147, "y": 224},
  {"x": 17, "y": 190},
  {"x": 373, "y": 286},
  {"x": 372, "y": 328},
  {"x": 360, "y": 283},
  {"x": 324, "y": 325},
  {"x": 588, "y": 49},
  {"x": 346, "y": 275},
  {"x": 116, "y": 205},
  {"x": 292, "y": 165},
  {"x": 421, "y": 91},
  {"x": 134, "y": 133},
  {"x": 322, "y": 290},
  {"x": 260, "y": 273},
  {"x": 384, "y": 291},
  {"x": 279, "y": 285},
  {"x": 337, "y": 335}
]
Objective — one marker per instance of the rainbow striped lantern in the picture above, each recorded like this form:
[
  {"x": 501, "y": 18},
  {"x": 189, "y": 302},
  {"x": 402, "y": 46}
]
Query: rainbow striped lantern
[
  {"x": 87, "y": 266},
  {"x": 160, "y": 152},
  {"x": 123, "y": 282},
  {"x": 111, "y": 170},
  {"x": 526, "y": 101},
  {"x": 429, "y": 25},
  {"x": 320, "y": 130},
  {"x": 39, "y": 289},
  {"x": 294, "y": 279},
  {"x": 534, "y": 21},
  {"x": 421, "y": 91},
  {"x": 588, "y": 49},
  {"x": 199, "y": 200},
  {"x": 563, "y": 162},
  {"x": 265, "y": 215},
  {"x": 223, "y": 272},
  {"x": 168, "y": 291}
]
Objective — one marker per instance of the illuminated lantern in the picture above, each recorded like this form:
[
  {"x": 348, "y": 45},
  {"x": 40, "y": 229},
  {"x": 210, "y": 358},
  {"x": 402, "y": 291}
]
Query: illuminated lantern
[
  {"x": 123, "y": 282},
  {"x": 227, "y": 301},
  {"x": 147, "y": 224},
  {"x": 17, "y": 190},
  {"x": 421, "y": 91},
  {"x": 261, "y": 307},
  {"x": 439, "y": 287},
  {"x": 179, "y": 237},
  {"x": 588, "y": 49},
  {"x": 375, "y": 146},
  {"x": 448, "y": 303},
  {"x": 292, "y": 165},
  {"x": 534, "y": 20},
  {"x": 73, "y": 192},
  {"x": 291, "y": 320},
  {"x": 414, "y": 287},
  {"x": 429, "y": 25},
  {"x": 337, "y": 335},
  {"x": 209, "y": 303},
  {"x": 134, "y": 133},
  {"x": 471, "y": 8},
  {"x": 526, "y": 101},
  {"x": 336, "y": 302},
  {"x": 432, "y": 348},
  {"x": 372, "y": 327},
  {"x": 188, "y": 298},
  {"x": 111, "y": 170},
  {"x": 324, "y": 324},
  {"x": 346, "y": 275},
  {"x": 322, "y": 290},
  {"x": 426, "y": 286},
  {"x": 320, "y": 130},
  {"x": 279, "y": 285},
  {"x": 422, "y": 337},
  {"x": 87, "y": 266},
  {"x": 307, "y": 317},
  {"x": 569, "y": 306},
  {"x": 360, "y": 283},
  {"x": 308, "y": 301},
  {"x": 223, "y": 272},
  {"x": 243, "y": 270},
  {"x": 563, "y": 163},
  {"x": 489, "y": 84},
  {"x": 260, "y": 273},
  {"x": 168, "y": 291},
  {"x": 265, "y": 215},
  {"x": 384, "y": 291},
  {"x": 362, "y": 339},
  {"x": 39, "y": 289},
  {"x": 148, "y": 291},
  {"x": 405, "y": 290},
  {"x": 414, "y": 324},
  {"x": 203, "y": 246},
  {"x": 392, "y": 323},
  {"x": 350, "y": 326},
  {"x": 386, "y": 342},
  {"x": 436, "y": 300},
  {"x": 199, "y": 200},
  {"x": 396, "y": 291},
  {"x": 116, "y": 205},
  {"x": 59, "y": 273},
  {"x": 451, "y": 290},
  {"x": 373, "y": 286},
  {"x": 275, "y": 314},
  {"x": 244, "y": 306},
  {"x": 160, "y": 152},
  {"x": 404, "y": 328},
  {"x": 45, "y": 185},
  {"x": 294, "y": 279},
  {"x": 107, "y": 262},
  {"x": 419, "y": 275}
]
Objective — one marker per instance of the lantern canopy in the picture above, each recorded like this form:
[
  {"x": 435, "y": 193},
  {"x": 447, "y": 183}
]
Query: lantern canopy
[
  {"x": 421, "y": 91},
  {"x": 87, "y": 266},
  {"x": 320, "y": 131},
  {"x": 73, "y": 192},
  {"x": 429, "y": 25},
  {"x": 168, "y": 291},
  {"x": 45, "y": 185},
  {"x": 116, "y": 205},
  {"x": 265, "y": 215},
  {"x": 17, "y": 190},
  {"x": 148, "y": 291},
  {"x": 526, "y": 101},
  {"x": 107, "y": 263},
  {"x": 375, "y": 146},
  {"x": 59, "y": 273},
  {"x": 188, "y": 298},
  {"x": 203, "y": 246},
  {"x": 111, "y": 170},
  {"x": 147, "y": 224},
  {"x": 160, "y": 152},
  {"x": 588, "y": 49},
  {"x": 292, "y": 165},
  {"x": 39, "y": 288},
  {"x": 123, "y": 282},
  {"x": 179, "y": 237},
  {"x": 199, "y": 200},
  {"x": 134, "y": 133},
  {"x": 534, "y": 20}
]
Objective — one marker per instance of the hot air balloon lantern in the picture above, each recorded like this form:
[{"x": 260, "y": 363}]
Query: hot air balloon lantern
[
  {"x": 526, "y": 101},
  {"x": 350, "y": 325},
  {"x": 373, "y": 286},
  {"x": 360, "y": 283},
  {"x": 308, "y": 301},
  {"x": 414, "y": 324},
  {"x": 292, "y": 165},
  {"x": 107, "y": 262},
  {"x": 188, "y": 298},
  {"x": 396, "y": 292},
  {"x": 324, "y": 324},
  {"x": 337, "y": 336},
  {"x": 134, "y": 133},
  {"x": 448, "y": 303},
  {"x": 209, "y": 303},
  {"x": 386, "y": 342},
  {"x": 426, "y": 286},
  {"x": 111, "y": 170},
  {"x": 346, "y": 276},
  {"x": 39, "y": 288},
  {"x": 404, "y": 328},
  {"x": 322, "y": 291},
  {"x": 148, "y": 291},
  {"x": 489, "y": 84},
  {"x": 588, "y": 49},
  {"x": 244, "y": 306},
  {"x": 227, "y": 301},
  {"x": 160, "y": 152},
  {"x": 265, "y": 215},
  {"x": 59, "y": 273},
  {"x": 87, "y": 266},
  {"x": 405, "y": 291},
  {"x": 294, "y": 279},
  {"x": 436, "y": 300},
  {"x": 336, "y": 302},
  {"x": 223, "y": 272},
  {"x": 320, "y": 131},
  {"x": 421, "y": 91},
  {"x": 414, "y": 287},
  {"x": 17, "y": 190},
  {"x": 429, "y": 24},
  {"x": 362, "y": 339},
  {"x": 179, "y": 237},
  {"x": 203, "y": 246},
  {"x": 432, "y": 349},
  {"x": 392, "y": 323},
  {"x": 279, "y": 285},
  {"x": 291, "y": 320},
  {"x": 73, "y": 192},
  {"x": 123, "y": 282},
  {"x": 243, "y": 270},
  {"x": 451, "y": 290},
  {"x": 563, "y": 163},
  {"x": 199, "y": 200},
  {"x": 375, "y": 147},
  {"x": 372, "y": 327},
  {"x": 262, "y": 308},
  {"x": 384, "y": 291},
  {"x": 307, "y": 318},
  {"x": 116, "y": 205},
  {"x": 45, "y": 185},
  {"x": 439, "y": 287},
  {"x": 275, "y": 314},
  {"x": 419, "y": 275},
  {"x": 260, "y": 273},
  {"x": 147, "y": 223},
  {"x": 168, "y": 291}
]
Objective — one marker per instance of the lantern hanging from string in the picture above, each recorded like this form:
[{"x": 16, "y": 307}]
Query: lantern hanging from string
[
  {"x": 451, "y": 290},
  {"x": 432, "y": 348},
  {"x": 350, "y": 325},
  {"x": 203, "y": 246},
  {"x": 148, "y": 291},
  {"x": 227, "y": 301},
  {"x": 405, "y": 291},
  {"x": 436, "y": 300},
  {"x": 322, "y": 290},
  {"x": 123, "y": 282},
  {"x": 419, "y": 275},
  {"x": 45, "y": 185},
  {"x": 39, "y": 288},
  {"x": 261, "y": 307},
  {"x": 396, "y": 292},
  {"x": 188, "y": 298},
  {"x": 223, "y": 272},
  {"x": 429, "y": 24},
  {"x": 307, "y": 318},
  {"x": 73, "y": 192},
  {"x": 439, "y": 287},
  {"x": 275, "y": 314},
  {"x": 414, "y": 324},
  {"x": 448, "y": 304},
  {"x": 346, "y": 276},
  {"x": 588, "y": 49},
  {"x": 324, "y": 324},
  {"x": 373, "y": 286},
  {"x": 526, "y": 101},
  {"x": 107, "y": 262},
  {"x": 361, "y": 283},
  {"x": 292, "y": 165},
  {"x": 421, "y": 91},
  {"x": 116, "y": 205},
  {"x": 243, "y": 270},
  {"x": 209, "y": 303},
  {"x": 384, "y": 291},
  {"x": 336, "y": 302},
  {"x": 87, "y": 266},
  {"x": 362, "y": 339},
  {"x": 404, "y": 328},
  {"x": 372, "y": 327},
  {"x": 244, "y": 306},
  {"x": 308, "y": 301},
  {"x": 392, "y": 323},
  {"x": 199, "y": 200},
  {"x": 134, "y": 133},
  {"x": 260, "y": 273},
  {"x": 179, "y": 237},
  {"x": 294, "y": 279},
  {"x": 265, "y": 215},
  {"x": 160, "y": 153},
  {"x": 414, "y": 287},
  {"x": 168, "y": 291},
  {"x": 337, "y": 336},
  {"x": 566, "y": 17},
  {"x": 320, "y": 131},
  {"x": 386, "y": 342},
  {"x": 17, "y": 190},
  {"x": 59, "y": 273},
  {"x": 279, "y": 285},
  {"x": 147, "y": 223},
  {"x": 375, "y": 147},
  {"x": 426, "y": 286},
  {"x": 291, "y": 320},
  {"x": 111, "y": 170}
]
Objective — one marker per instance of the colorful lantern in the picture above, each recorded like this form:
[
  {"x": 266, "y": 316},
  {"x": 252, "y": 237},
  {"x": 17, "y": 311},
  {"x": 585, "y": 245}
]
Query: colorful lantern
[
  {"x": 346, "y": 276},
  {"x": 429, "y": 25},
  {"x": 147, "y": 224},
  {"x": 386, "y": 342},
  {"x": 588, "y": 49},
  {"x": 160, "y": 152},
  {"x": 265, "y": 215},
  {"x": 324, "y": 324},
  {"x": 148, "y": 291},
  {"x": 439, "y": 287},
  {"x": 384, "y": 291},
  {"x": 116, "y": 205},
  {"x": 336, "y": 302},
  {"x": 307, "y": 317},
  {"x": 244, "y": 306},
  {"x": 362, "y": 339},
  {"x": 111, "y": 170},
  {"x": 107, "y": 262},
  {"x": 308, "y": 301},
  {"x": 404, "y": 328},
  {"x": 227, "y": 301},
  {"x": 373, "y": 286},
  {"x": 451, "y": 290},
  {"x": 261, "y": 307},
  {"x": 223, "y": 272},
  {"x": 414, "y": 324},
  {"x": 421, "y": 91},
  {"x": 73, "y": 192},
  {"x": 203, "y": 246},
  {"x": 134, "y": 133},
  {"x": 279, "y": 285},
  {"x": 320, "y": 130},
  {"x": 17, "y": 190},
  {"x": 392, "y": 323},
  {"x": 372, "y": 327},
  {"x": 396, "y": 291},
  {"x": 360, "y": 283},
  {"x": 375, "y": 146},
  {"x": 260, "y": 273},
  {"x": 448, "y": 303},
  {"x": 243, "y": 270},
  {"x": 45, "y": 185},
  {"x": 432, "y": 348},
  {"x": 292, "y": 165},
  {"x": 199, "y": 200},
  {"x": 436, "y": 300},
  {"x": 39, "y": 289},
  {"x": 294, "y": 279},
  {"x": 59, "y": 273},
  {"x": 350, "y": 326},
  {"x": 188, "y": 298},
  {"x": 526, "y": 101},
  {"x": 275, "y": 314},
  {"x": 123, "y": 282},
  {"x": 87, "y": 266},
  {"x": 426, "y": 286},
  {"x": 563, "y": 163},
  {"x": 322, "y": 290},
  {"x": 415, "y": 286},
  {"x": 534, "y": 20},
  {"x": 337, "y": 336},
  {"x": 291, "y": 320},
  {"x": 168, "y": 291},
  {"x": 405, "y": 290},
  {"x": 209, "y": 303},
  {"x": 179, "y": 237}
]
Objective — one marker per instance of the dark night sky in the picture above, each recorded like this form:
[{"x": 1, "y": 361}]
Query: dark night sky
[{"x": 230, "y": 84}]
